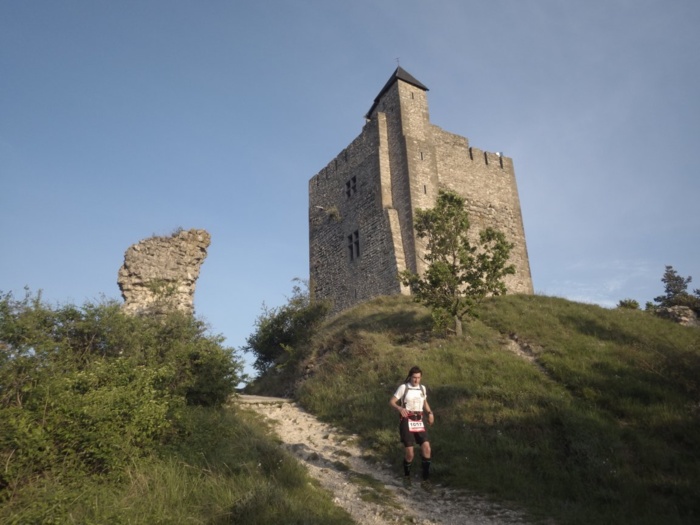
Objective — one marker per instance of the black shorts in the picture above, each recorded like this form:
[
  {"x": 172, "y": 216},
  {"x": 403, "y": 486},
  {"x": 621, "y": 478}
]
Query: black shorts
[{"x": 409, "y": 438}]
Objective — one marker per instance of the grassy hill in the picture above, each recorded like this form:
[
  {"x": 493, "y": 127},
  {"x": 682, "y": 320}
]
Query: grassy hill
[{"x": 572, "y": 411}]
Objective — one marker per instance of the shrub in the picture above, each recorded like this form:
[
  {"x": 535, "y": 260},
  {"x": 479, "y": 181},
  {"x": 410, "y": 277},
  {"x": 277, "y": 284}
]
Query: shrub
[
  {"x": 630, "y": 304},
  {"x": 83, "y": 390},
  {"x": 284, "y": 330}
]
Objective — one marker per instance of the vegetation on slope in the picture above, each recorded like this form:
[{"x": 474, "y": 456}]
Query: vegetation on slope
[
  {"x": 600, "y": 425},
  {"x": 106, "y": 418},
  {"x": 109, "y": 418}
]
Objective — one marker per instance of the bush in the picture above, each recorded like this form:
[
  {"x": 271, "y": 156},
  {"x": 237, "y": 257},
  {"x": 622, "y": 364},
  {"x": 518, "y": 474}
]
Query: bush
[
  {"x": 284, "y": 330},
  {"x": 84, "y": 390},
  {"x": 630, "y": 304}
]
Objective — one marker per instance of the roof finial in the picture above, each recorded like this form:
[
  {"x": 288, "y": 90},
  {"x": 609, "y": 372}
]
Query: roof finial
[{"x": 397, "y": 61}]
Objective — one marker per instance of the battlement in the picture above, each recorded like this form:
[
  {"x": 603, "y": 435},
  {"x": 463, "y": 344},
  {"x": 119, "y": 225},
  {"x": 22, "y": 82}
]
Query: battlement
[
  {"x": 362, "y": 203},
  {"x": 348, "y": 159}
]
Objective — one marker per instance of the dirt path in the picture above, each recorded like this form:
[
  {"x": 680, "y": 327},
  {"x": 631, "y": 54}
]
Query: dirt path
[{"x": 371, "y": 493}]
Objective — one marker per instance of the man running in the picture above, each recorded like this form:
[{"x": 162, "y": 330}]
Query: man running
[{"x": 411, "y": 400}]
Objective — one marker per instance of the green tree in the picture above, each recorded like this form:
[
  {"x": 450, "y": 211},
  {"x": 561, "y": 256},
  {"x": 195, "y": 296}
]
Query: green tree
[
  {"x": 676, "y": 291},
  {"x": 459, "y": 274},
  {"x": 284, "y": 330}
]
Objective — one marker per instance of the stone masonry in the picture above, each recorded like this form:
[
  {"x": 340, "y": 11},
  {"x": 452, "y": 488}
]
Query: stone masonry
[
  {"x": 361, "y": 205},
  {"x": 159, "y": 274}
]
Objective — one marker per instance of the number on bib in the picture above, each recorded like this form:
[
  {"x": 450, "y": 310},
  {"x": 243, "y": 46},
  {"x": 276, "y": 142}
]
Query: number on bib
[{"x": 416, "y": 426}]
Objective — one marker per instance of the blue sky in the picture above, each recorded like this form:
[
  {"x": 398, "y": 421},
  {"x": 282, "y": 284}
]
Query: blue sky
[{"x": 120, "y": 120}]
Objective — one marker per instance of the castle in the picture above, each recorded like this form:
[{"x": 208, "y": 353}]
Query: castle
[{"x": 361, "y": 205}]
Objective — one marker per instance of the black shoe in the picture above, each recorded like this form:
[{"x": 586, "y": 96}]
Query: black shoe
[
  {"x": 427, "y": 486},
  {"x": 407, "y": 482}
]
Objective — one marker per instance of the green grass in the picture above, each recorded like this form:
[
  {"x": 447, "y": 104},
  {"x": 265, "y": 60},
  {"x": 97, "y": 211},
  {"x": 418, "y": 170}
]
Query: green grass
[
  {"x": 604, "y": 428},
  {"x": 222, "y": 469}
]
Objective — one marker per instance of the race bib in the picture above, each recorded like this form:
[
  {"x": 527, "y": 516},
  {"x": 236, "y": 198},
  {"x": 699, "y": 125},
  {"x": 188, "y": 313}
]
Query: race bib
[{"x": 416, "y": 426}]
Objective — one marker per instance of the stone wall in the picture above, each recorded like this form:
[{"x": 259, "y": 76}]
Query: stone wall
[
  {"x": 487, "y": 181},
  {"x": 160, "y": 273},
  {"x": 398, "y": 164},
  {"x": 350, "y": 229}
]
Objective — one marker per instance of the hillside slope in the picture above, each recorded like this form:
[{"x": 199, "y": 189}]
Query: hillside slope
[
  {"x": 366, "y": 489},
  {"x": 575, "y": 412}
]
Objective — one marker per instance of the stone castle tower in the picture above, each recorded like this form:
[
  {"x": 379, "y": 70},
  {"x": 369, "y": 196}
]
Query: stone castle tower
[{"x": 361, "y": 204}]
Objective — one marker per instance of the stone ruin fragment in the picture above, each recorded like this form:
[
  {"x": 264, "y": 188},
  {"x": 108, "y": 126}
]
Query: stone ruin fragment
[{"x": 160, "y": 273}]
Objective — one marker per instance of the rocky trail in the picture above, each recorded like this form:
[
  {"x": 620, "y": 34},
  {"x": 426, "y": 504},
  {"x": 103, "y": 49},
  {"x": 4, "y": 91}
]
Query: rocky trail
[{"x": 373, "y": 494}]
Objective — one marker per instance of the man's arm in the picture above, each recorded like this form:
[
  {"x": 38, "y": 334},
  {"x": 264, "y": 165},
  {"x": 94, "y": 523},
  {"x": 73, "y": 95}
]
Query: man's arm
[
  {"x": 429, "y": 411},
  {"x": 394, "y": 403}
]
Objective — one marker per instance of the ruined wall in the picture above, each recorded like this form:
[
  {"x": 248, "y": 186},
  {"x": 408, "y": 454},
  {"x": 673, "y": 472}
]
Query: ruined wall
[{"x": 159, "y": 274}]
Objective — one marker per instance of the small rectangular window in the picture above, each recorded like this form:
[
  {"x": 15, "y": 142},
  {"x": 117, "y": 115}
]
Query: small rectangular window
[
  {"x": 351, "y": 187},
  {"x": 354, "y": 245}
]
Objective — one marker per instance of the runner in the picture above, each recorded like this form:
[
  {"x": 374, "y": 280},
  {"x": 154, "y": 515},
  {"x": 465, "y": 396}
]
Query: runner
[{"x": 410, "y": 400}]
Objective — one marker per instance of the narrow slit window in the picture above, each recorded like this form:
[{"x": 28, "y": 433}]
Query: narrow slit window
[
  {"x": 354, "y": 245},
  {"x": 351, "y": 187}
]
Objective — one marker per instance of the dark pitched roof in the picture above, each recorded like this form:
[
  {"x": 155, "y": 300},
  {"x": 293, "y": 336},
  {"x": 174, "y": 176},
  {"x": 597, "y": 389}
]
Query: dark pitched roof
[{"x": 399, "y": 74}]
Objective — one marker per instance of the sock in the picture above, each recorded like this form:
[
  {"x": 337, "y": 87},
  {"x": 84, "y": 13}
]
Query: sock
[
  {"x": 426, "y": 468},
  {"x": 407, "y": 467}
]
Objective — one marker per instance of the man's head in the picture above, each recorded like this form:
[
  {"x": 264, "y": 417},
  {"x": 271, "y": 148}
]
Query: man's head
[{"x": 414, "y": 376}]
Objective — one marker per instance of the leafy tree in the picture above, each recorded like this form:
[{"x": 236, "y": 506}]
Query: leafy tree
[
  {"x": 676, "y": 291},
  {"x": 459, "y": 274},
  {"x": 282, "y": 331}
]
